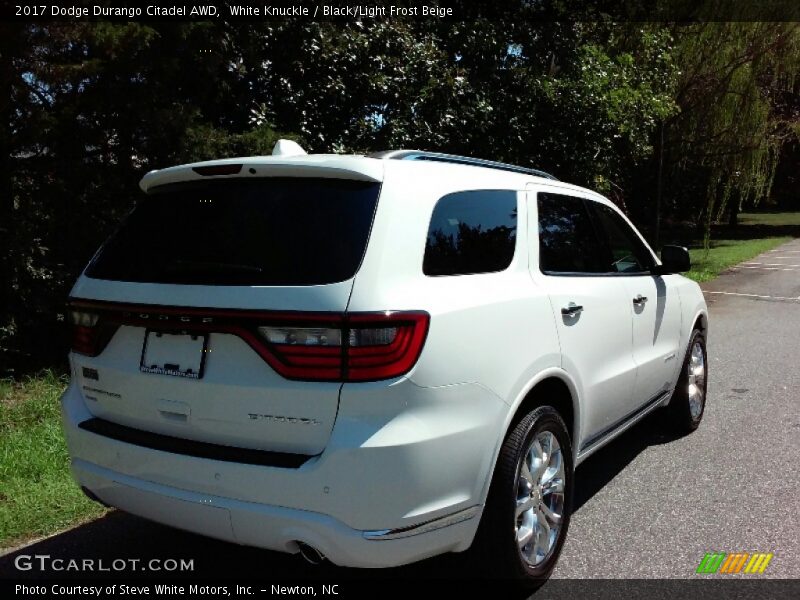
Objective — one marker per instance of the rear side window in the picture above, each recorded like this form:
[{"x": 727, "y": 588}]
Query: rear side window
[
  {"x": 568, "y": 242},
  {"x": 471, "y": 232},
  {"x": 275, "y": 231}
]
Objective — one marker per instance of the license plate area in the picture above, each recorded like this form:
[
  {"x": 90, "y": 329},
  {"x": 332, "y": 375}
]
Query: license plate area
[{"x": 176, "y": 354}]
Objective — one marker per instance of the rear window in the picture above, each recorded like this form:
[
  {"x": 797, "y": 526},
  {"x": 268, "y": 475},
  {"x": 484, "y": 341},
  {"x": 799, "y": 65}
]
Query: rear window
[
  {"x": 471, "y": 232},
  {"x": 276, "y": 231}
]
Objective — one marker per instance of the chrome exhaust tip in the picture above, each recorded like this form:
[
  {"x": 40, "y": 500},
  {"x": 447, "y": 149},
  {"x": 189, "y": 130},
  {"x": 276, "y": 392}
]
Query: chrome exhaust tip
[{"x": 311, "y": 554}]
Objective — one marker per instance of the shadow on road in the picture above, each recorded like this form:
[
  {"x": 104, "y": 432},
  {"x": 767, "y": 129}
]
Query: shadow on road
[
  {"x": 122, "y": 536},
  {"x": 601, "y": 467}
]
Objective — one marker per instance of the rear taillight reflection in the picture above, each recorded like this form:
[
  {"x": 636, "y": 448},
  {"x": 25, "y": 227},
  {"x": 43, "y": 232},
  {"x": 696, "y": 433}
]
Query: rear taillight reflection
[
  {"x": 82, "y": 318},
  {"x": 302, "y": 336}
]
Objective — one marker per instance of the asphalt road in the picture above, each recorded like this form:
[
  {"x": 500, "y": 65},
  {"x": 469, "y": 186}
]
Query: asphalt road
[
  {"x": 648, "y": 505},
  {"x": 652, "y": 507}
]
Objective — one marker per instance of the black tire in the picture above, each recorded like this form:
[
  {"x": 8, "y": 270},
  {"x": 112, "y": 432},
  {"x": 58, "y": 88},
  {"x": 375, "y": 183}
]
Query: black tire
[
  {"x": 496, "y": 546},
  {"x": 682, "y": 418}
]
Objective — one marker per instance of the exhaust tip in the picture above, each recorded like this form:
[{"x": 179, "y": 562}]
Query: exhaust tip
[{"x": 311, "y": 554}]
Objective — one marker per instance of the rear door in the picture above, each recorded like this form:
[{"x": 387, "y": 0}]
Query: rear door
[
  {"x": 211, "y": 314},
  {"x": 591, "y": 310}
]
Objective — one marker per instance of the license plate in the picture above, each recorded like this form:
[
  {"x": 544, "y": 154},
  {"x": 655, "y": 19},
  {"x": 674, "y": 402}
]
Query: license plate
[{"x": 176, "y": 354}]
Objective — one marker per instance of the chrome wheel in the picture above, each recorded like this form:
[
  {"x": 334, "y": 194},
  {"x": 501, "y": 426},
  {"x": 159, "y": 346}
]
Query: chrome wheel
[
  {"x": 696, "y": 377},
  {"x": 540, "y": 498}
]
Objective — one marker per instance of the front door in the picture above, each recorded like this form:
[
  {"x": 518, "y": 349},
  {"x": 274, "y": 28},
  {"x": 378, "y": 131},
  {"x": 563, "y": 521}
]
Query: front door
[
  {"x": 591, "y": 309},
  {"x": 654, "y": 302}
]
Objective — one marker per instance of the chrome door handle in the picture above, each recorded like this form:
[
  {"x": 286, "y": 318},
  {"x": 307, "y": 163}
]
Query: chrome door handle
[
  {"x": 639, "y": 300},
  {"x": 571, "y": 309}
]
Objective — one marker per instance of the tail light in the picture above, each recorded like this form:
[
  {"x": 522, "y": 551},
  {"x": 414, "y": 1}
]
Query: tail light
[
  {"x": 298, "y": 351},
  {"x": 384, "y": 346},
  {"x": 89, "y": 334},
  {"x": 361, "y": 347},
  {"x": 302, "y": 346}
]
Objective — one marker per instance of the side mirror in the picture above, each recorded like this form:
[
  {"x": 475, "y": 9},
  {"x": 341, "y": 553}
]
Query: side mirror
[{"x": 674, "y": 259}]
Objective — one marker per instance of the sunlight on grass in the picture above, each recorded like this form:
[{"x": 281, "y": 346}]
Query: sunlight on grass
[
  {"x": 37, "y": 493},
  {"x": 726, "y": 253}
]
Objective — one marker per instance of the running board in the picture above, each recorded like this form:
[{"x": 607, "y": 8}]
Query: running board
[{"x": 623, "y": 422}]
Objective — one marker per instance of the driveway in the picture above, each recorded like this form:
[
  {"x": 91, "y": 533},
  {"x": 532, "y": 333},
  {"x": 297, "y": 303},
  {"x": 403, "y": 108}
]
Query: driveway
[{"x": 649, "y": 506}]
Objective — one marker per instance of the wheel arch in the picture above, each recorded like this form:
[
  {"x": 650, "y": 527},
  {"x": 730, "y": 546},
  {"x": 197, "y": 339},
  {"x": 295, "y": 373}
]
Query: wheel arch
[
  {"x": 553, "y": 387},
  {"x": 700, "y": 322}
]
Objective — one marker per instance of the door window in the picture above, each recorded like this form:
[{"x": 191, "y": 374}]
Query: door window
[
  {"x": 625, "y": 252},
  {"x": 568, "y": 242}
]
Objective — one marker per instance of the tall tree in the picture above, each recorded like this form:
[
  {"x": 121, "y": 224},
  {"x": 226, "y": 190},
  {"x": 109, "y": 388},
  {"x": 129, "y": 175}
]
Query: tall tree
[
  {"x": 724, "y": 144},
  {"x": 580, "y": 99},
  {"x": 87, "y": 109}
]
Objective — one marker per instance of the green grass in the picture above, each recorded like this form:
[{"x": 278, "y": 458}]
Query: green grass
[
  {"x": 756, "y": 233},
  {"x": 37, "y": 493},
  {"x": 768, "y": 218},
  {"x": 726, "y": 253}
]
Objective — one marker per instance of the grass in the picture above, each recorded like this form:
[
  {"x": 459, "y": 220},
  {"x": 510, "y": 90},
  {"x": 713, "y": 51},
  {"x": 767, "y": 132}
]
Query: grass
[
  {"x": 723, "y": 254},
  {"x": 776, "y": 219},
  {"x": 37, "y": 493},
  {"x": 755, "y": 233}
]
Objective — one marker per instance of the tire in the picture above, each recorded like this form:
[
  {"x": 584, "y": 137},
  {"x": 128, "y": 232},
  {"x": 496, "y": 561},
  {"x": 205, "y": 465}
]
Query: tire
[
  {"x": 504, "y": 521},
  {"x": 688, "y": 403}
]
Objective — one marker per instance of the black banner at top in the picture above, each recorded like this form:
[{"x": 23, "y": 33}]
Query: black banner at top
[{"x": 455, "y": 10}]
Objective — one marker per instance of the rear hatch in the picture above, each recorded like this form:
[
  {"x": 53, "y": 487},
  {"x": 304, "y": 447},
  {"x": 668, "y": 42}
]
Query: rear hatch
[{"x": 214, "y": 313}]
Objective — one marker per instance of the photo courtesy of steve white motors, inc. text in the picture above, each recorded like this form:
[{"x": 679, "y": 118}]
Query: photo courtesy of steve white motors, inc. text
[
  {"x": 233, "y": 10},
  {"x": 194, "y": 590}
]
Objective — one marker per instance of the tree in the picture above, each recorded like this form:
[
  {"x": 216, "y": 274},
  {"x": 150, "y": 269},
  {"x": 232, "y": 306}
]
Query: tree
[
  {"x": 90, "y": 108},
  {"x": 737, "y": 95},
  {"x": 580, "y": 99}
]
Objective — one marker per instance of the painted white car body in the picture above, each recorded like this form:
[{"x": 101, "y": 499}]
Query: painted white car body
[{"x": 396, "y": 470}]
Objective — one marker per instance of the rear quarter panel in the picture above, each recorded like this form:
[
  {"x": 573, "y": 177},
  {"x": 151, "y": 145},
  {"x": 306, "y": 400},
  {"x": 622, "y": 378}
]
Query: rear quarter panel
[{"x": 492, "y": 329}]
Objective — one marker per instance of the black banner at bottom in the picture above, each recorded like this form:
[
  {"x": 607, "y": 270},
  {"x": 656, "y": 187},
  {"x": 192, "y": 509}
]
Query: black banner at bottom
[{"x": 554, "y": 589}]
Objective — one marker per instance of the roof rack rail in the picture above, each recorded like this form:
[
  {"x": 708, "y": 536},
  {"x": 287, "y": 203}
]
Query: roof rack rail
[{"x": 456, "y": 159}]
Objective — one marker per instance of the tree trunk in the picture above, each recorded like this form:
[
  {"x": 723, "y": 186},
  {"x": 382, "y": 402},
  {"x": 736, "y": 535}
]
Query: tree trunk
[
  {"x": 9, "y": 38},
  {"x": 659, "y": 187},
  {"x": 733, "y": 214}
]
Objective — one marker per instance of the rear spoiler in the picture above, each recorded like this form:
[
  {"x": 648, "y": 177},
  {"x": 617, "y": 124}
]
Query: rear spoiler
[{"x": 333, "y": 166}]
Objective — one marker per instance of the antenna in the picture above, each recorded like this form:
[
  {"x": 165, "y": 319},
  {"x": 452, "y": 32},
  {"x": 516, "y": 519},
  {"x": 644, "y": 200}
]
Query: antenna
[{"x": 288, "y": 148}]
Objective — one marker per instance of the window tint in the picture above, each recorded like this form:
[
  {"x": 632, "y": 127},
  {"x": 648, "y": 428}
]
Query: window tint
[
  {"x": 567, "y": 239},
  {"x": 272, "y": 231},
  {"x": 472, "y": 232},
  {"x": 625, "y": 252}
]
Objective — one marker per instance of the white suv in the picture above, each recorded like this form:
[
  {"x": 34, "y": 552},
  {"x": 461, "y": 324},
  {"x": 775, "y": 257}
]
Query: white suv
[{"x": 373, "y": 359}]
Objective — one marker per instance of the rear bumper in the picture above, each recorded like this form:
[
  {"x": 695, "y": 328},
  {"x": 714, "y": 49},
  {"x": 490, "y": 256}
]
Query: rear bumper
[
  {"x": 388, "y": 490},
  {"x": 273, "y": 527}
]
